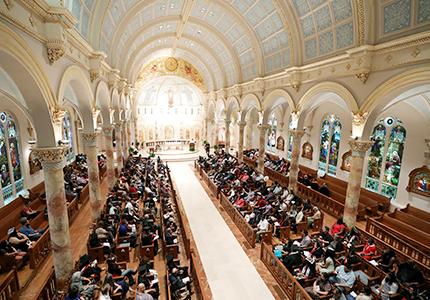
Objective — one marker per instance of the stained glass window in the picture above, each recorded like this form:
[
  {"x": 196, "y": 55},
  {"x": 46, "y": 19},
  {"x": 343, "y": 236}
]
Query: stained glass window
[
  {"x": 68, "y": 136},
  {"x": 10, "y": 162},
  {"x": 331, "y": 129},
  {"x": 271, "y": 134},
  {"x": 385, "y": 159},
  {"x": 290, "y": 138}
]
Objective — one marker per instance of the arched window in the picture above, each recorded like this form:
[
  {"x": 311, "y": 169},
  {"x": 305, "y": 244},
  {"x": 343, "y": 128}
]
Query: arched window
[
  {"x": 385, "y": 158},
  {"x": 290, "y": 138},
  {"x": 329, "y": 146},
  {"x": 68, "y": 136},
  {"x": 12, "y": 182},
  {"x": 271, "y": 134}
]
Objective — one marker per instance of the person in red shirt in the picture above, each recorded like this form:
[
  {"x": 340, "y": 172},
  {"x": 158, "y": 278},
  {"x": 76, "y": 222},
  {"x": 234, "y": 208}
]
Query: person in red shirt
[
  {"x": 240, "y": 203},
  {"x": 133, "y": 189},
  {"x": 369, "y": 249},
  {"x": 338, "y": 228}
]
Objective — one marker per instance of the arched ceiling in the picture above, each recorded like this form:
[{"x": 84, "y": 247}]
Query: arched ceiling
[{"x": 238, "y": 40}]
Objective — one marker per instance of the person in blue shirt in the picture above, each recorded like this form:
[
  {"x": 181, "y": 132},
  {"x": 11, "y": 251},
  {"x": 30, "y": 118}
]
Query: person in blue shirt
[
  {"x": 123, "y": 228},
  {"x": 27, "y": 230}
]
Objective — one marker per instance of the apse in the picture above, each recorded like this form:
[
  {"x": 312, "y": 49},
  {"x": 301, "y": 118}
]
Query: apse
[{"x": 169, "y": 108}]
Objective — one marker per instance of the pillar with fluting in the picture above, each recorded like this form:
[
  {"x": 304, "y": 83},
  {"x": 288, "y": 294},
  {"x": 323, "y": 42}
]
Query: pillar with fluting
[
  {"x": 118, "y": 146},
  {"x": 359, "y": 149},
  {"x": 227, "y": 136},
  {"x": 89, "y": 140},
  {"x": 110, "y": 166},
  {"x": 53, "y": 162},
  {"x": 240, "y": 143},
  {"x": 294, "y": 164},
  {"x": 262, "y": 146}
]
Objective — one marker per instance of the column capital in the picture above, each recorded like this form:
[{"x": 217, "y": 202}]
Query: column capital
[
  {"x": 107, "y": 130},
  {"x": 359, "y": 147},
  {"x": 227, "y": 122},
  {"x": 51, "y": 158},
  {"x": 241, "y": 124},
  {"x": 296, "y": 133},
  {"x": 89, "y": 138},
  {"x": 263, "y": 127}
]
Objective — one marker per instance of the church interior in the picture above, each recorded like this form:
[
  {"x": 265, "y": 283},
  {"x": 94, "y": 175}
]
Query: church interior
[{"x": 215, "y": 149}]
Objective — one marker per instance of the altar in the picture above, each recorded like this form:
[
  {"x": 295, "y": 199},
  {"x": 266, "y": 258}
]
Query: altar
[{"x": 166, "y": 145}]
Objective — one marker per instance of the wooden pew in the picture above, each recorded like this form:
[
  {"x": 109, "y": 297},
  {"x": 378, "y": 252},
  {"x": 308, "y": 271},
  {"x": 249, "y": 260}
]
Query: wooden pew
[
  {"x": 84, "y": 195},
  {"x": 96, "y": 253},
  {"x": 37, "y": 191},
  {"x": 423, "y": 215},
  {"x": 40, "y": 250},
  {"x": 411, "y": 220},
  {"x": 72, "y": 210},
  {"x": 399, "y": 233},
  {"x": 147, "y": 251},
  {"x": 9, "y": 286},
  {"x": 49, "y": 290}
]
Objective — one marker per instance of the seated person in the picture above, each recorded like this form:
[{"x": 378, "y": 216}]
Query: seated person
[
  {"x": 18, "y": 240},
  {"x": 343, "y": 279},
  {"x": 102, "y": 233},
  {"x": 320, "y": 287},
  {"x": 369, "y": 250},
  {"x": 338, "y": 228},
  {"x": 315, "y": 216},
  {"x": 123, "y": 228},
  {"x": 26, "y": 229},
  {"x": 325, "y": 237},
  {"x": 325, "y": 190},
  {"x": 306, "y": 241},
  {"x": 142, "y": 294},
  {"x": 387, "y": 260},
  {"x": 9, "y": 256},
  {"x": 388, "y": 287},
  {"x": 366, "y": 294},
  {"x": 327, "y": 265},
  {"x": 27, "y": 211}
]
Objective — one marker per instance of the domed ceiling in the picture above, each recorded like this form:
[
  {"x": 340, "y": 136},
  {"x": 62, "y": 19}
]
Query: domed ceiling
[{"x": 235, "y": 41}]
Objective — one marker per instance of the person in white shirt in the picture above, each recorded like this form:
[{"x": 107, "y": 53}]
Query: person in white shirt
[
  {"x": 299, "y": 216},
  {"x": 262, "y": 226}
]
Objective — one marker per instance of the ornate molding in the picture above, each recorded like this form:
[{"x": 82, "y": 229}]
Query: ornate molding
[
  {"x": 58, "y": 115},
  {"x": 363, "y": 76},
  {"x": 359, "y": 119},
  {"x": 89, "y": 139},
  {"x": 241, "y": 124},
  {"x": 51, "y": 158},
  {"x": 296, "y": 133},
  {"x": 359, "y": 148},
  {"x": 107, "y": 130},
  {"x": 55, "y": 50}
]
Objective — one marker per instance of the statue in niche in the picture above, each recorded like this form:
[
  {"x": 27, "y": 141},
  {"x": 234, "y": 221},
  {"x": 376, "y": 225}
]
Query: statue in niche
[
  {"x": 307, "y": 150},
  {"x": 34, "y": 163},
  {"x": 419, "y": 181},
  {"x": 280, "y": 143},
  {"x": 346, "y": 161}
]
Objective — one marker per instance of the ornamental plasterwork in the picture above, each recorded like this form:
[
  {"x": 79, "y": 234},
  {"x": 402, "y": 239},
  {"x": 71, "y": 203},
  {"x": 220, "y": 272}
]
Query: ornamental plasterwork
[
  {"x": 55, "y": 50},
  {"x": 56, "y": 154},
  {"x": 359, "y": 147},
  {"x": 89, "y": 138},
  {"x": 166, "y": 66},
  {"x": 58, "y": 115},
  {"x": 359, "y": 119}
]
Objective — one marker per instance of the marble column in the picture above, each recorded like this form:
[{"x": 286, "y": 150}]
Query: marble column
[
  {"x": 89, "y": 140},
  {"x": 359, "y": 149},
  {"x": 124, "y": 140},
  {"x": 262, "y": 146},
  {"x": 213, "y": 133},
  {"x": 227, "y": 136},
  {"x": 240, "y": 143},
  {"x": 294, "y": 164},
  {"x": 53, "y": 161},
  {"x": 248, "y": 138},
  {"x": 118, "y": 146},
  {"x": 110, "y": 167}
]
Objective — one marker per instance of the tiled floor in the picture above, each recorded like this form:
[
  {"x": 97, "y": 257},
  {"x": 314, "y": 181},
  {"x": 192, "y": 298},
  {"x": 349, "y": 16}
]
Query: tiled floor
[{"x": 230, "y": 272}]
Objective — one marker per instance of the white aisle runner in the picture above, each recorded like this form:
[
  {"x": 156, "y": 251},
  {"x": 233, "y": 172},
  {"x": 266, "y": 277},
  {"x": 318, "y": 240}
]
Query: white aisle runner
[{"x": 231, "y": 275}]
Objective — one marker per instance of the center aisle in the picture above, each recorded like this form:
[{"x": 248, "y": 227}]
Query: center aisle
[{"x": 230, "y": 273}]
